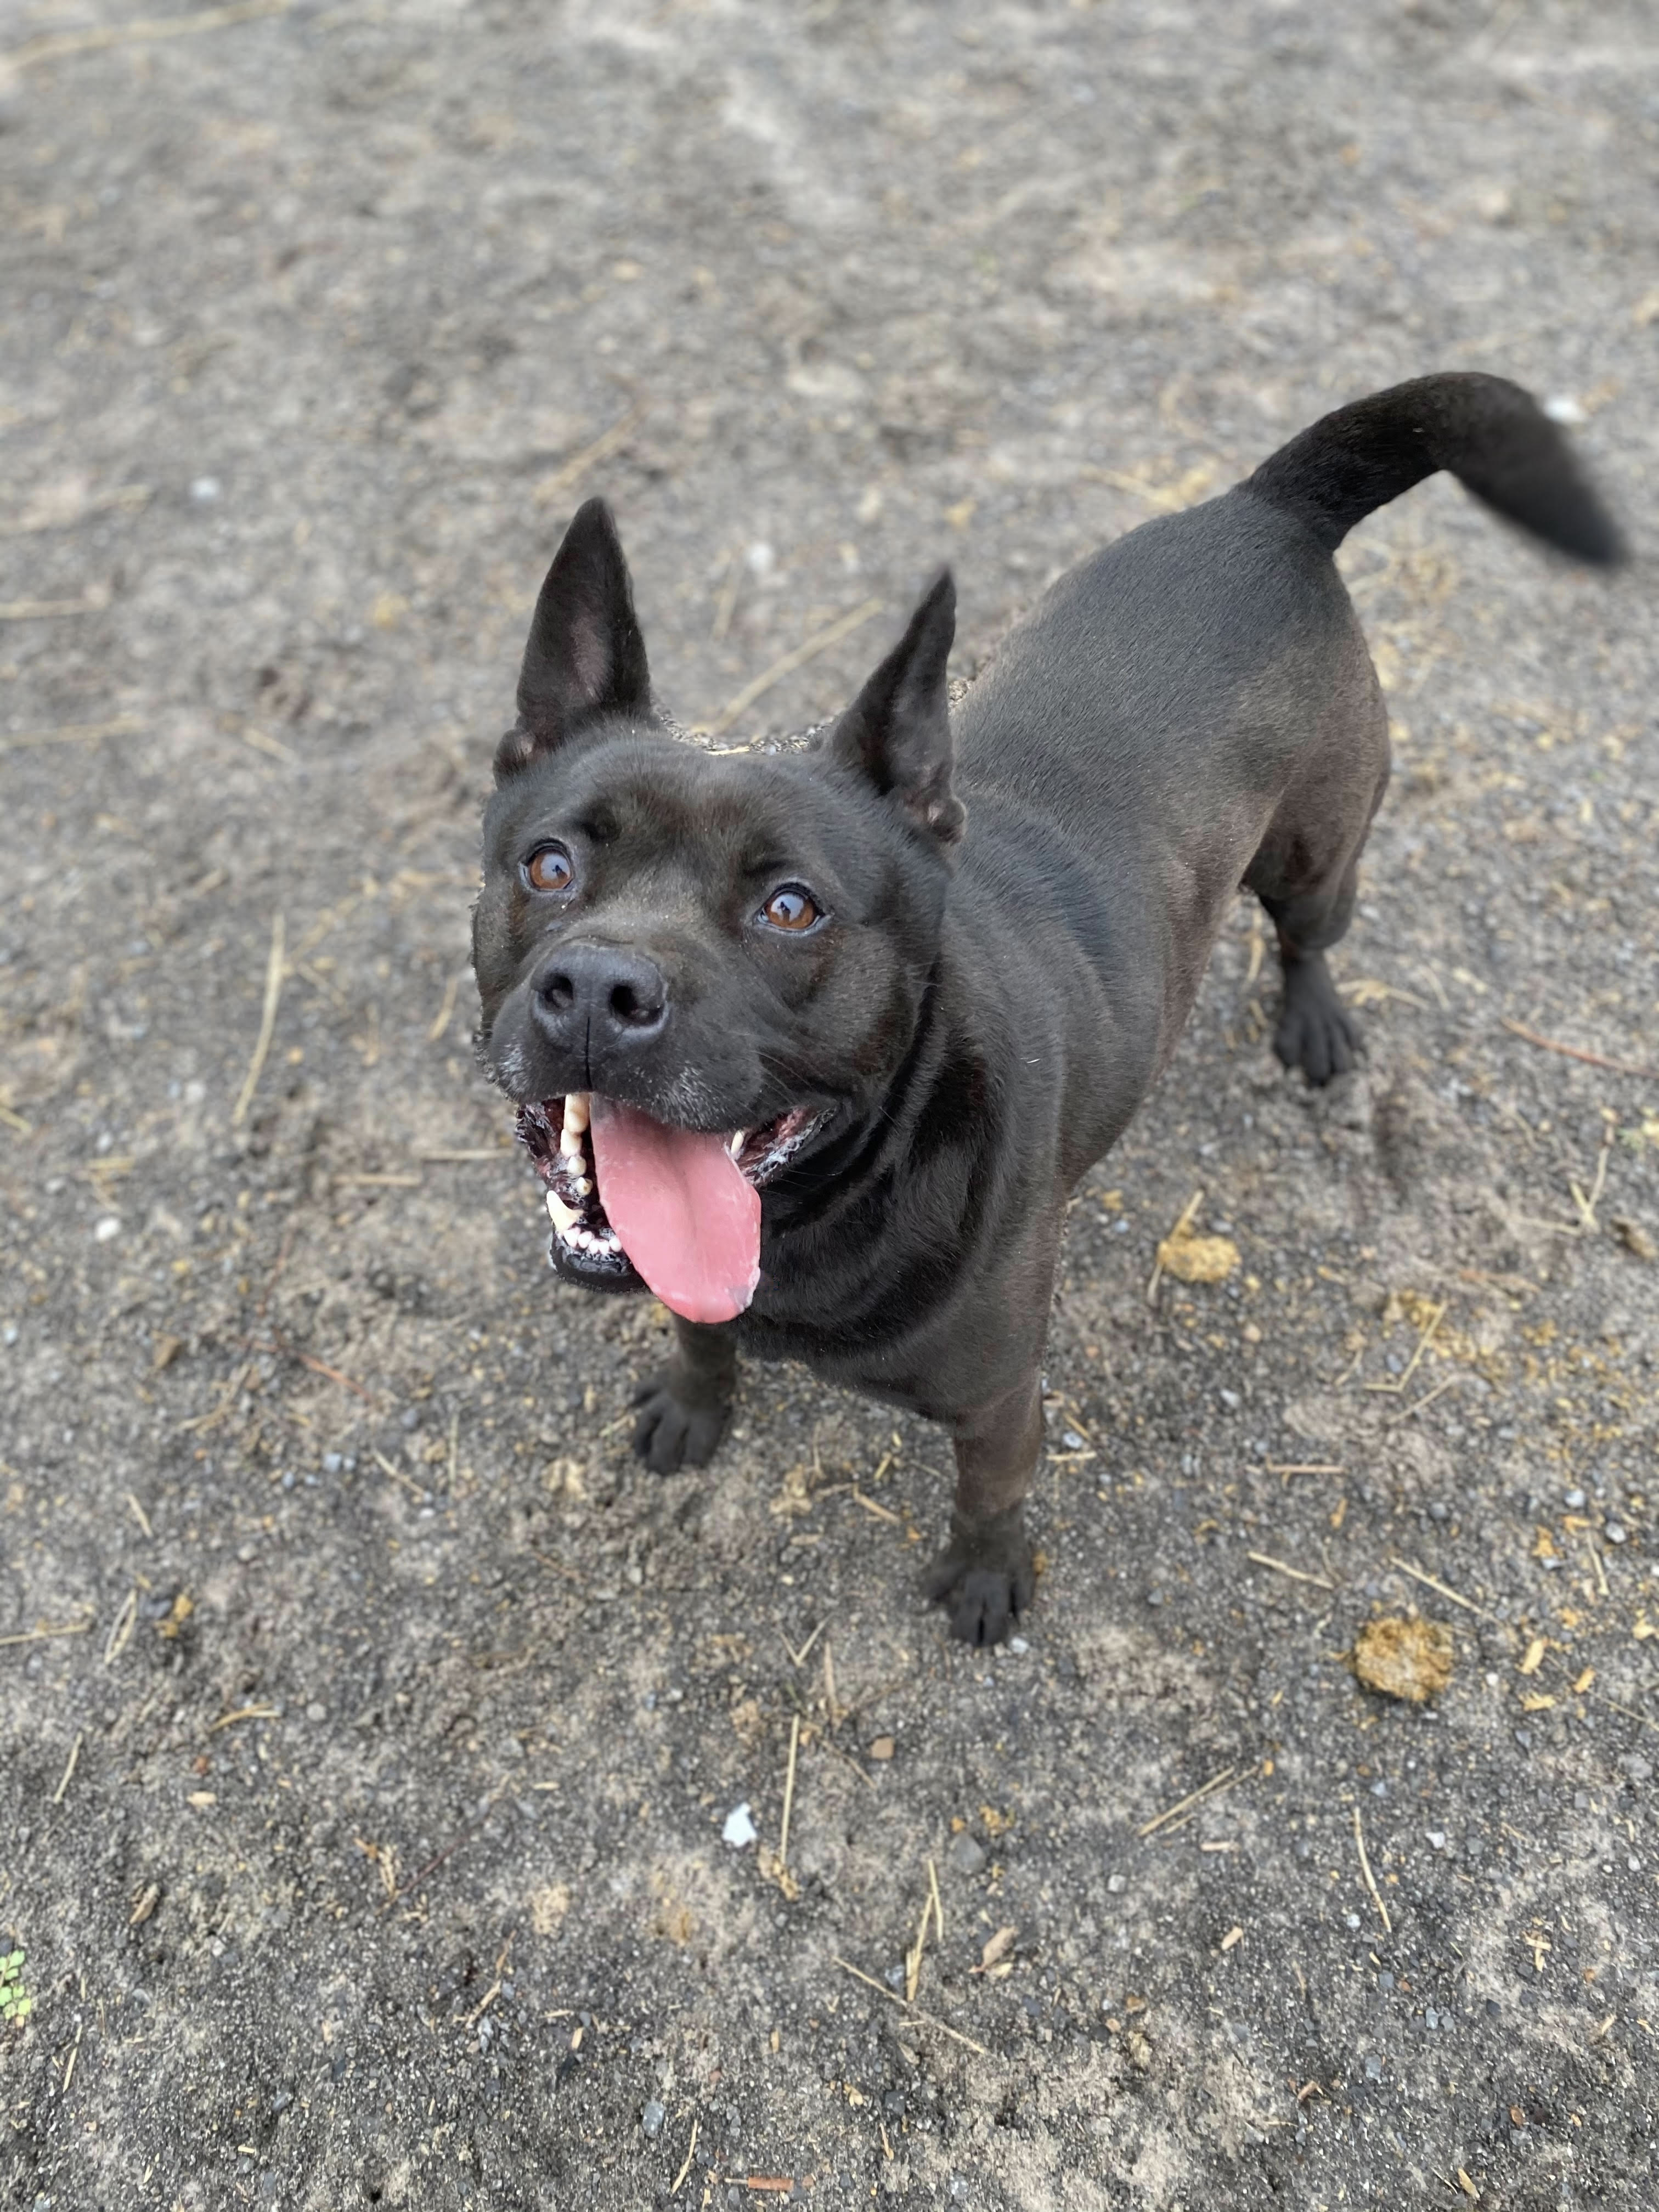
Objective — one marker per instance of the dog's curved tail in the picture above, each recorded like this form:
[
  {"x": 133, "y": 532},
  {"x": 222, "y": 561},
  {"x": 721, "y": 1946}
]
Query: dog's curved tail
[{"x": 1493, "y": 437}]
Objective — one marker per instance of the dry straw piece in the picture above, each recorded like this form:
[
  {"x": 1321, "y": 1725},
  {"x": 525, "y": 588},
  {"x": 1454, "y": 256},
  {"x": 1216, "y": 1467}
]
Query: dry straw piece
[{"x": 1408, "y": 1659}]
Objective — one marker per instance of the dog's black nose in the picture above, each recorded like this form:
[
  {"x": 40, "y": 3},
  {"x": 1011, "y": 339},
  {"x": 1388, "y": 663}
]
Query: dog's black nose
[{"x": 601, "y": 997}]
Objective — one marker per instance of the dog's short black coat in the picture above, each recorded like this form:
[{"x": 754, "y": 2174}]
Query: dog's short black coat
[{"x": 1010, "y": 928}]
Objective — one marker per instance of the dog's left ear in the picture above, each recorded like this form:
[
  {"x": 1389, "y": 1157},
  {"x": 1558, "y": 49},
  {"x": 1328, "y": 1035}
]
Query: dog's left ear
[
  {"x": 586, "y": 655},
  {"x": 897, "y": 731}
]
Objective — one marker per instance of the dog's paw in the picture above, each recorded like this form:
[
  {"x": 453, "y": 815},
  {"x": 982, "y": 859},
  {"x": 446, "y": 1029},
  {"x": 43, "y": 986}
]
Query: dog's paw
[
  {"x": 1316, "y": 1031},
  {"x": 679, "y": 1423},
  {"x": 984, "y": 1578}
]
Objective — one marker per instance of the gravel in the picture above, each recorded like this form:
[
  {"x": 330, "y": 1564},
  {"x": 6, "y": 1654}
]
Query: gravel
[{"x": 363, "y": 1839}]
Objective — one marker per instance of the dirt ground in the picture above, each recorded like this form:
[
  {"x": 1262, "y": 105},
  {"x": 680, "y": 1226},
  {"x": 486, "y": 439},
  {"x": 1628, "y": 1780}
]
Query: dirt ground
[{"x": 372, "y": 1722}]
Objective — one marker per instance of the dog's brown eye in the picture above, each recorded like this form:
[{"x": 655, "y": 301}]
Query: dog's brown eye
[
  {"x": 793, "y": 907},
  {"x": 549, "y": 869}
]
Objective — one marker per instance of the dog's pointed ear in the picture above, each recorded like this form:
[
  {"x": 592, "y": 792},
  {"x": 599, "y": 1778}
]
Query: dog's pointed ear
[
  {"x": 897, "y": 734},
  {"x": 586, "y": 655}
]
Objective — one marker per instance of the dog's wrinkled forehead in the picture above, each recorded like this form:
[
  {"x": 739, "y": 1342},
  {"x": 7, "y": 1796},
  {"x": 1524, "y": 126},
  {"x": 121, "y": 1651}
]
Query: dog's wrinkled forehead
[{"x": 645, "y": 803}]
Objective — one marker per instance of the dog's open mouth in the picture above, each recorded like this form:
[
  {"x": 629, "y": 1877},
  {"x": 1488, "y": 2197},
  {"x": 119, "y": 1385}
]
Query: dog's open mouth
[{"x": 679, "y": 1208}]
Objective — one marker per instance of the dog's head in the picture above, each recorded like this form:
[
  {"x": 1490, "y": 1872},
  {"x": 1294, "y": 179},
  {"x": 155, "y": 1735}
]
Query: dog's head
[{"x": 694, "y": 967}]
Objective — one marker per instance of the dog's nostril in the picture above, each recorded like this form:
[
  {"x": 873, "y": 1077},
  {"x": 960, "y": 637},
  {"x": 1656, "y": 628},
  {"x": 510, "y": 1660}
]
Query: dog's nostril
[
  {"x": 559, "y": 991},
  {"x": 631, "y": 1005}
]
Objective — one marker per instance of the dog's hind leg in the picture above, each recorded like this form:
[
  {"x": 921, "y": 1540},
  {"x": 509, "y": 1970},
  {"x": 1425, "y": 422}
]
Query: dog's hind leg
[
  {"x": 1305, "y": 873},
  {"x": 685, "y": 1406},
  {"x": 1314, "y": 1031}
]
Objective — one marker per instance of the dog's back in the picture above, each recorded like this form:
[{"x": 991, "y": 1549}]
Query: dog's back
[{"x": 1194, "y": 707}]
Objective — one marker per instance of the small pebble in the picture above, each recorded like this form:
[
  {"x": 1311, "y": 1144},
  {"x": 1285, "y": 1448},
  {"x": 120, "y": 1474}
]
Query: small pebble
[
  {"x": 882, "y": 1747},
  {"x": 966, "y": 1856},
  {"x": 651, "y": 2118}
]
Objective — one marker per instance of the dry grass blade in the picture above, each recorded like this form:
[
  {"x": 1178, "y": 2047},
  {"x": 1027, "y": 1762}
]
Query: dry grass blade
[
  {"x": 1577, "y": 1051},
  {"x": 56, "y": 46},
  {"x": 915, "y": 2011},
  {"x": 1370, "y": 1878},
  {"x": 1431, "y": 1581},
  {"x": 1295, "y": 1574},
  {"x": 690, "y": 2152},
  {"x": 40, "y": 1635},
  {"x": 798, "y": 1658},
  {"x": 274, "y": 971},
  {"x": 912, "y": 1957},
  {"x": 809, "y": 649},
  {"x": 789, "y": 1791},
  {"x": 881, "y": 1512},
  {"x": 1396, "y": 1384},
  {"x": 75, "y": 1754},
  {"x": 1451, "y": 1382},
  {"x": 441, "y": 1022},
  {"x": 72, "y": 734},
  {"x": 43, "y": 610},
  {"x": 1217, "y": 1782},
  {"x": 607, "y": 443},
  {"x": 121, "y": 1628},
  {"x": 1587, "y": 1205},
  {"x": 1188, "y": 1214}
]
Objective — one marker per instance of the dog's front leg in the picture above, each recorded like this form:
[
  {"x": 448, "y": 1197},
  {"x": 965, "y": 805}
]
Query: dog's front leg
[
  {"x": 986, "y": 1574},
  {"x": 684, "y": 1407}
]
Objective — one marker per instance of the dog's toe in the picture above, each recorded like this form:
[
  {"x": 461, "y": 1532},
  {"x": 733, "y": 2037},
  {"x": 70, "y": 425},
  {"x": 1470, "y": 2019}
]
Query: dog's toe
[
  {"x": 1316, "y": 1032},
  {"x": 982, "y": 1610},
  {"x": 984, "y": 1588},
  {"x": 670, "y": 1431}
]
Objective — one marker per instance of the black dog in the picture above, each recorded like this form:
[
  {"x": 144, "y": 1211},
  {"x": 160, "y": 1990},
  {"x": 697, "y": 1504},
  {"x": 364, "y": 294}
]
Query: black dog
[{"x": 816, "y": 1044}]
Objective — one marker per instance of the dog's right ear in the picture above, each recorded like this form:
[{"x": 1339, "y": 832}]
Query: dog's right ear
[
  {"x": 897, "y": 734},
  {"x": 584, "y": 656}
]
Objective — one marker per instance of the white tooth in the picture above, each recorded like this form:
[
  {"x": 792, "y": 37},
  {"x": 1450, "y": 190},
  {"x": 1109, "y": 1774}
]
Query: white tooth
[
  {"x": 570, "y": 1237},
  {"x": 575, "y": 1113},
  {"x": 585, "y": 1238},
  {"x": 570, "y": 1144},
  {"x": 559, "y": 1213},
  {"x": 583, "y": 1187},
  {"x": 734, "y": 1143}
]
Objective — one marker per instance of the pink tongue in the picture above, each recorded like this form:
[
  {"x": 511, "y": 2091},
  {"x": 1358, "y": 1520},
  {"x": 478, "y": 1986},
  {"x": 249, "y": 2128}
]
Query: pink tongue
[{"x": 684, "y": 1213}]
